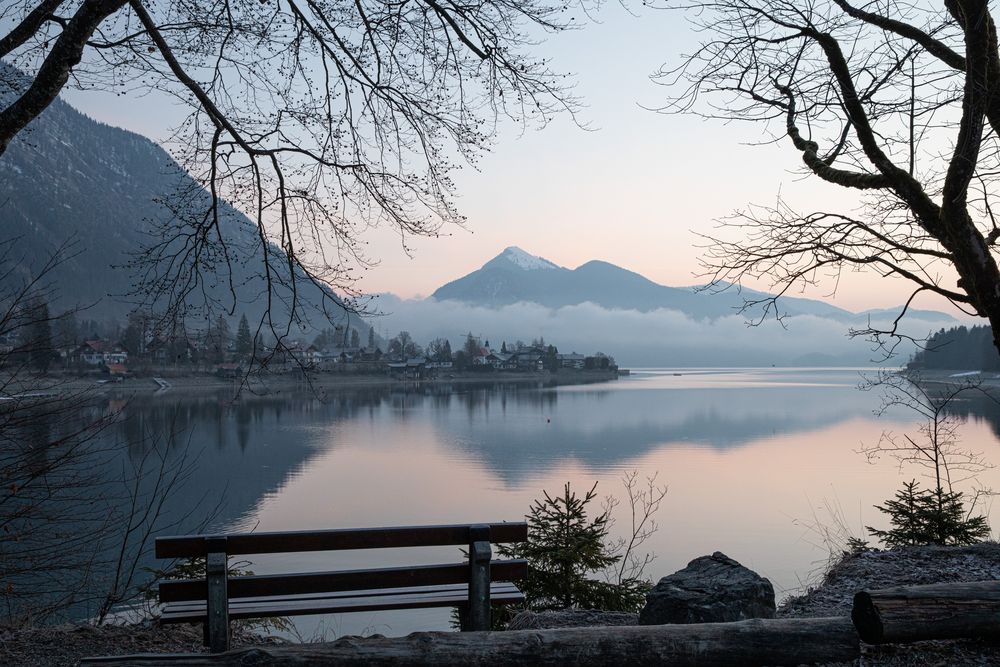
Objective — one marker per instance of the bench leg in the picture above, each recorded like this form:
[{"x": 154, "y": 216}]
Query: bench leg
[
  {"x": 480, "y": 555},
  {"x": 217, "y": 623}
]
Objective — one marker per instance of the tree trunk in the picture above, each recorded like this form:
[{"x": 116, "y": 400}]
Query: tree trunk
[
  {"x": 937, "y": 611},
  {"x": 745, "y": 643}
]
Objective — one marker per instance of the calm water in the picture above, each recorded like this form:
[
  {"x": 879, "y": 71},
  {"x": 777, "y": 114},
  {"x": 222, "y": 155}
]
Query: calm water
[{"x": 754, "y": 459}]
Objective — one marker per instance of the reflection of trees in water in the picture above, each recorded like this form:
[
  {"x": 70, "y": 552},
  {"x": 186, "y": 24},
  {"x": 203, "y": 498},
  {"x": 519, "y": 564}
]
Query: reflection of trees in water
[
  {"x": 55, "y": 505},
  {"x": 479, "y": 398},
  {"x": 37, "y": 440},
  {"x": 222, "y": 423},
  {"x": 241, "y": 448},
  {"x": 979, "y": 408}
]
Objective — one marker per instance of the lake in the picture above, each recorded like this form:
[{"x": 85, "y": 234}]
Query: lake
[{"x": 760, "y": 463}]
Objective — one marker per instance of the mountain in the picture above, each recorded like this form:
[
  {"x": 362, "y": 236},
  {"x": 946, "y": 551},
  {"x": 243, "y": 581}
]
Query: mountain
[
  {"x": 515, "y": 276},
  {"x": 70, "y": 179}
]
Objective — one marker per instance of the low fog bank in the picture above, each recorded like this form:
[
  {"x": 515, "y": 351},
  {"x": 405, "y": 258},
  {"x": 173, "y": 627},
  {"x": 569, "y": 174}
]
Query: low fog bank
[{"x": 634, "y": 338}]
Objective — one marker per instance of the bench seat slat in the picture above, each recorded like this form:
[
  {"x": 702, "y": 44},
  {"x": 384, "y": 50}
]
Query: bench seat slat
[
  {"x": 503, "y": 593},
  {"x": 323, "y": 582},
  {"x": 374, "y": 594},
  {"x": 186, "y": 546}
]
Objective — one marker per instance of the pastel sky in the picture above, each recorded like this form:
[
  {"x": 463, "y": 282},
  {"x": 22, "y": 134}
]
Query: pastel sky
[{"x": 633, "y": 190}]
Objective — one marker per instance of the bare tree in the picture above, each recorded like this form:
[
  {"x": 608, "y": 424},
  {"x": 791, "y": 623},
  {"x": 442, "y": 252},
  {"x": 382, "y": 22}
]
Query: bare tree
[
  {"x": 50, "y": 457},
  {"x": 938, "y": 514},
  {"x": 937, "y": 447},
  {"x": 78, "y": 507},
  {"x": 153, "y": 477},
  {"x": 317, "y": 118},
  {"x": 897, "y": 101},
  {"x": 644, "y": 500}
]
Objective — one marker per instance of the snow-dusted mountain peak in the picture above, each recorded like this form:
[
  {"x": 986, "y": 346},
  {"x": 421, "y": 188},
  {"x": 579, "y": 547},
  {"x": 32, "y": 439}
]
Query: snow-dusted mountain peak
[{"x": 524, "y": 260}]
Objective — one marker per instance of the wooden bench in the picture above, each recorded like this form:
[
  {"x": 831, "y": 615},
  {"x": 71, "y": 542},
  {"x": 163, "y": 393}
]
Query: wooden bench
[{"x": 473, "y": 586}]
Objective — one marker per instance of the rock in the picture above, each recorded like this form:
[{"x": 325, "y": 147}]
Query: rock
[
  {"x": 570, "y": 618},
  {"x": 711, "y": 589}
]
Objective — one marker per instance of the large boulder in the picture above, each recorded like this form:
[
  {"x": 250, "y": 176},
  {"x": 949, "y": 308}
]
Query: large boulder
[{"x": 711, "y": 589}]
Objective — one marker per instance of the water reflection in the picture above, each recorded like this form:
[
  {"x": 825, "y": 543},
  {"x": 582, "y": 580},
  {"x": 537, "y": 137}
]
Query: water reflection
[{"x": 744, "y": 453}]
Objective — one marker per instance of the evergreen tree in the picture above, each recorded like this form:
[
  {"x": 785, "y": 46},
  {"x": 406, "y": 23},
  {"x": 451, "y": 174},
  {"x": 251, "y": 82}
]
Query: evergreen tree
[
  {"x": 177, "y": 340},
  {"x": 133, "y": 340},
  {"x": 958, "y": 348},
  {"x": 135, "y": 336},
  {"x": 471, "y": 348},
  {"x": 355, "y": 339},
  {"x": 565, "y": 548},
  {"x": 371, "y": 338},
  {"x": 551, "y": 359},
  {"x": 244, "y": 342},
  {"x": 920, "y": 517},
  {"x": 218, "y": 340},
  {"x": 37, "y": 340},
  {"x": 67, "y": 330},
  {"x": 326, "y": 338}
]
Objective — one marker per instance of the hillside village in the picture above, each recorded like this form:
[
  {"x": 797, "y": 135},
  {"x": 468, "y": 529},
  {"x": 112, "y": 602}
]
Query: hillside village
[{"x": 145, "y": 347}]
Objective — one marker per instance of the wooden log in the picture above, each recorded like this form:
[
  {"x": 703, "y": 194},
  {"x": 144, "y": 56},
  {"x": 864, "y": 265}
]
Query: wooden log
[
  {"x": 936, "y": 611},
  {"x": 740, "y": 644}
]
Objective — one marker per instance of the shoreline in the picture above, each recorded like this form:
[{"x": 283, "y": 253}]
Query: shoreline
[
  {"x": 953, "y": 377},
  {"x": 284, "y": 382}
]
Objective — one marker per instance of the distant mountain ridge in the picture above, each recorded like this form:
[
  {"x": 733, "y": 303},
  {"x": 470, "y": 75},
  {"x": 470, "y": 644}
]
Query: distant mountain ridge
[
  {"x": 516, "y": 276},
  {"x": 69, "y": 178}
]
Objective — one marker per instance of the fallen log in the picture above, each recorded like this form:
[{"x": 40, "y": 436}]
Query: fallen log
[
  {"x": 937, "y": 611},
  {"x": 744, "y": 643}
]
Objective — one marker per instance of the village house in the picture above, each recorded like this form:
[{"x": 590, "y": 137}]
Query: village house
[
  {"x": 529, "y": 359},
  {"x": 99, "y": 352},
  {"x": 313, "y": 356},
  {"x": 228, "y": 370},
  {"x": 163, "y": 351},
  {"x": 572, "y": 360},
  {"x": 501, "y": 361},
  {"x": 409, "y": 369}
]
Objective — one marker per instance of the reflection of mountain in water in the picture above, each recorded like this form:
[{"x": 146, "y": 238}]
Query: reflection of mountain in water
[
  {"x": 234, "y": 454},
  {"x": 528, "y": 432},
  {"x": 248, "y": 450},
  {"x": 252, "y": 447}
]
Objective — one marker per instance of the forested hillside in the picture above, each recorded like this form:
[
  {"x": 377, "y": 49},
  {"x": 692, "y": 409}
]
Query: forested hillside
[{"x": 960, "y": 348}]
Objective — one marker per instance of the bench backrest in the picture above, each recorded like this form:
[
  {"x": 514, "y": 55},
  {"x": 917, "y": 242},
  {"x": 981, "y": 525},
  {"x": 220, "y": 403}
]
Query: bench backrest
[
  {"x": 190, "y": 546},
  {"x": 332, "y": 540}
]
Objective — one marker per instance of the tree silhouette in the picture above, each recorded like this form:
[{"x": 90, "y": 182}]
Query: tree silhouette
[
  {"x": 898, "y": 103},
  {"x": 317, "y": 118},
  {"x": 37, "y": 334},
  {"x": 244, "y": 342}
]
